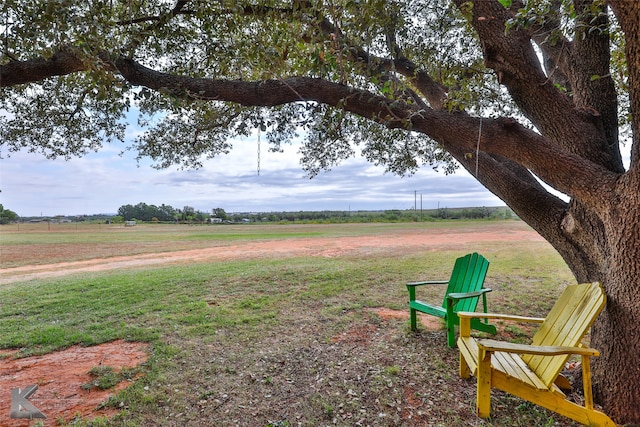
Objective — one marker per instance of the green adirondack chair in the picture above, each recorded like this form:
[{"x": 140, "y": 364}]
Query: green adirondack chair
[{"x": 464, "y": 289}]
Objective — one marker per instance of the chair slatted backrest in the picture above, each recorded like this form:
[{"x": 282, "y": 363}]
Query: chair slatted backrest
[
  {"x": 468, "y": 275},
  {"x": 566, "y": 324}
]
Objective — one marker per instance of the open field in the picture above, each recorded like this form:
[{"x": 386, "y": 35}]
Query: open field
[
  {"x": 42, "y": 250},
  {"x": 268, "y": 325}
]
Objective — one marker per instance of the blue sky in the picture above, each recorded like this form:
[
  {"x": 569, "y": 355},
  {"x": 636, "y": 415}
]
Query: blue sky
[{"x": 102, "y": 182}]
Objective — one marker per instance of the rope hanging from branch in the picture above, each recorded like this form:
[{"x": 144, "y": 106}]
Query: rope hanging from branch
[
  {"x": 478, "y": 144},
  {"x": 258, "y": 151}
]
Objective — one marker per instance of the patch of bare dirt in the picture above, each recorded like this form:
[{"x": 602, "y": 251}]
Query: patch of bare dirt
[
  {"x": 430, "y": 323},
  {"x": 60, "y": 377},
  {"x": 360, "y": 334}
]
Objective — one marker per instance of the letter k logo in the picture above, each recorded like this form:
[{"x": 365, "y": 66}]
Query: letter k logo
[{"x": 21, "y": 407}]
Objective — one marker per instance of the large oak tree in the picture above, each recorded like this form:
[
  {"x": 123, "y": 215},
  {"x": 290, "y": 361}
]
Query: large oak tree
[{"x": 517, "y": 92}]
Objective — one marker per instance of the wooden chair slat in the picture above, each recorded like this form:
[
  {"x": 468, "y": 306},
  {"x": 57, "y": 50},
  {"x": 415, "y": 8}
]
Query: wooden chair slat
[{"x": 567, "y": 323}]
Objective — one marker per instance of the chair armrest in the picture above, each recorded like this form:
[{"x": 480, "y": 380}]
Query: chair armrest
[
  {"x": 490, "y": 345},
  {"x": 463, "y": 295},
  {"x": 470, "y": 314},
  {"x": 429, "y": 282}
]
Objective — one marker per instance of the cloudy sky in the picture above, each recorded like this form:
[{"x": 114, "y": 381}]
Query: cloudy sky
[{"x": 102, "y": 182}]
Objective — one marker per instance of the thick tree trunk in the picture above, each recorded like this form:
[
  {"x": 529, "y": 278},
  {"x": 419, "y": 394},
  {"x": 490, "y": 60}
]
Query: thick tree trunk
[{"x": 616, "y": 332}]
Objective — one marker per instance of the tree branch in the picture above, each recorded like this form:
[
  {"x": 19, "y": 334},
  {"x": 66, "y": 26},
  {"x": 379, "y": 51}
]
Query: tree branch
[
  {"x": 628, "y": 15},
  {"x": 372, "y": 65},
  {"x": 553, "y": 44},
  {"x": 593, "y": 86},
  {"x": 571, "y": 174},
  {"x": 517, "y": 66},
  {"x": 514, "y": 183},
  {"x": 434, "y": 92},
  {"x": 63, "y": 62},
  {"x": 505, "y": 137}
]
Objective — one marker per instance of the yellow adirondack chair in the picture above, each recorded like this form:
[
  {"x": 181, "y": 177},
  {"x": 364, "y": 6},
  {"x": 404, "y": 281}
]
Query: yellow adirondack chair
[{"x": 532, "y": 372}]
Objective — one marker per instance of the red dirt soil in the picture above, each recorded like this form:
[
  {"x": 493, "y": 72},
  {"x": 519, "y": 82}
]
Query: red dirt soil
[
  {"x": 360, "y": 334},
  {"x": 429, "y": 322},
  {"x": 60, "y": 375}
]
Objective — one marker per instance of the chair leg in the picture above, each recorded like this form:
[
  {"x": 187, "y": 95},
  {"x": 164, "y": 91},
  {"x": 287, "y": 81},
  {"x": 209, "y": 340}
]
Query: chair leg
[
  {"x": 451, "y": 334},
  {"x": 465, "y": 371},
  {"x": 413, "y": 318},
  {"x": 483, "y": 399},
  {"x": 484, "y": 306}
]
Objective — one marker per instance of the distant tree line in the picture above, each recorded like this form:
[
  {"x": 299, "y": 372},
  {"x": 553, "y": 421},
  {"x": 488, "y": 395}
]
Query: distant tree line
[
  {"x": 163, "y": 213},
  {"x": 471, "y": 213},
  {"x": 6, "y": 215},
  {"x": 393, "y": 215},
  {"x": 166, "y": 213}
]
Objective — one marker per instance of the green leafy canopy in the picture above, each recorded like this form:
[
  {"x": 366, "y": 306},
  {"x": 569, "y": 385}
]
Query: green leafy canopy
[
  {"x": 363, "y": 44},
  {"x": 344, "y": 42}
]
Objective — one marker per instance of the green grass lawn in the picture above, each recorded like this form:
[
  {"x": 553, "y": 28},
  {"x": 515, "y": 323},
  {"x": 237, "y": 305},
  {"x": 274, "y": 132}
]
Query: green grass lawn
[{"x": 283, "y": 342}]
